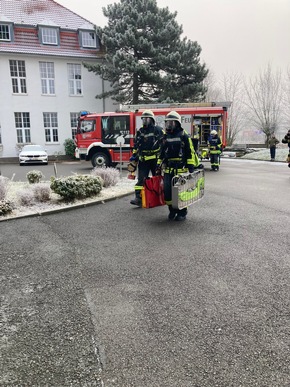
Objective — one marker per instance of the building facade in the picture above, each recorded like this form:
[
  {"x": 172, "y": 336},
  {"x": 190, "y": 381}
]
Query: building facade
[{"x": 44, "y": 84}]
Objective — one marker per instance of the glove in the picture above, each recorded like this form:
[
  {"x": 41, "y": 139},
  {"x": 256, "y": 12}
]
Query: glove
[
  {"x": 200, "y": 166},
  {"x": 133, "y": 158},
  {"x": 158, "y": 170},
  {"x": 190, "y": 168}
]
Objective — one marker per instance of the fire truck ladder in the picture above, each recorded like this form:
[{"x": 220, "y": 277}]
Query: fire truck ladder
[{"x": 174, "y": 105}]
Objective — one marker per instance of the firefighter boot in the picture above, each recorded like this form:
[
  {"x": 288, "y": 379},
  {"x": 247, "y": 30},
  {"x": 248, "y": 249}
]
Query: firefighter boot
[
  {"x": 172, "y": 212},
  {"x": 137, "y": 201},
  {"x": 181, "y": 214}
]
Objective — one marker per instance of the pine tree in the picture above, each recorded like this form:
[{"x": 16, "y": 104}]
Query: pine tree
[{"x": 145, "y": 59}]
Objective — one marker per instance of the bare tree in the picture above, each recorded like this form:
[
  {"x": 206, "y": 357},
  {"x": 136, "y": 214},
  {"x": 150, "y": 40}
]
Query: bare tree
[
  {"x": 264, "y": 100},
  {"x": 213, "y": 92},
  {"x": 232, "y": 86},
  {"x": 286, "y": 99}
]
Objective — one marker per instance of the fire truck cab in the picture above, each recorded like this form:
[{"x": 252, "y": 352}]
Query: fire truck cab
[{"x": 107, "y": 139}]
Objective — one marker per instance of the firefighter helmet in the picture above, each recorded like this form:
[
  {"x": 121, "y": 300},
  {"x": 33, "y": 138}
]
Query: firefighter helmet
[
  {"x": 148, "y": 114},
  {"x": 213, "y": 132},
  {"x": 173, "y": 116}
]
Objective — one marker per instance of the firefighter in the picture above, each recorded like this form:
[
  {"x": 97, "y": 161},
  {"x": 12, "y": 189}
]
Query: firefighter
[
  {"x": 215, "y": 148},
  {"x": 177, "y": 156},
  {"x": 145, "y": 152},
  {"x": 286, "y": 140}
]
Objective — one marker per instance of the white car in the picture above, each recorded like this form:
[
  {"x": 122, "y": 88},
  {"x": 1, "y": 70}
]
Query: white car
[{"x": 33, "y": 154}]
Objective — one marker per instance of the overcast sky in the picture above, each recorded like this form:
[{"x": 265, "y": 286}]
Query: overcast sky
[{"x": 236, "y": 36}]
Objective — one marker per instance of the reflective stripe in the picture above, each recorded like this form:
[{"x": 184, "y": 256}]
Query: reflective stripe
[
  {"x": 173, "y": 139},
  {"x": 178, "y": 170},
  {"x": 151, "y": 152},
  {"x": 146, "y": 158}
]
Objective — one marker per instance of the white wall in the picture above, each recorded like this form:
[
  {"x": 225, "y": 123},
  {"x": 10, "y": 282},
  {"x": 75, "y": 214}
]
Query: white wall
[{"x": 35, "y": 103}]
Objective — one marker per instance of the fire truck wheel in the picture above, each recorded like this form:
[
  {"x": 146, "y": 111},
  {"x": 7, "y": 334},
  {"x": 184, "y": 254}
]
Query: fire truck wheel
[{"x": 100, "y": 159}]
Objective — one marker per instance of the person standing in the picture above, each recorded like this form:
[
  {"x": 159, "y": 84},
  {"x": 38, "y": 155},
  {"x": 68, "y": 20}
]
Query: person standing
[
  {"x": 215, "y": 148},
  {"x": 177, "y": 156},
  {"x": 146, "y": 150},
  {"x": 272, "y": 145}
]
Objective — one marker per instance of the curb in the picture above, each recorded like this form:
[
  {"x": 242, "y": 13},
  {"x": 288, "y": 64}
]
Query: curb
[{"x": 72, "y": 207}]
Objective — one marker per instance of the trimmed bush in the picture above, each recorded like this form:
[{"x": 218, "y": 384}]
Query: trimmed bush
[
  {"x": 4, "y": 181},
  {"x": 5, "y": 207},
  {"x": 41, "y": 192},
  {"x": 26, "y": 197},
  {"x": 76, "y": 187},
  {"x": 110, "y": 176},
  {"x": 34, "y": 176}
]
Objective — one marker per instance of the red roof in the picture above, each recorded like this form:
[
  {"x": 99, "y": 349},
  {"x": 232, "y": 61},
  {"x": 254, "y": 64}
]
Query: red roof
[
  {"x": 27, "y": 15},
  {"x": 34, "y": 12}
]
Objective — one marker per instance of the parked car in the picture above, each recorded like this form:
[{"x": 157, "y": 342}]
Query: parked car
[{"x": 33, "y": 154}]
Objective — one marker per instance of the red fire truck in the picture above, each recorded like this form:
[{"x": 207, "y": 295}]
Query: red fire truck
[{"x": 108, "y": 138}]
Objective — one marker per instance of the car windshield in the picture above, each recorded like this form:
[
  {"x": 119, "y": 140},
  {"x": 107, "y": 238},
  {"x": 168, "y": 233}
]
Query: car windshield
[{"x": 32, "y": 148}]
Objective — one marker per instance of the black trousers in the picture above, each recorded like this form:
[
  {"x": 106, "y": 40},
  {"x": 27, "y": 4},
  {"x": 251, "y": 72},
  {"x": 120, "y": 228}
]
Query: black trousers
[
  {"x": 272, "y": 152},
  {"x": 167, "y": 187},
  {"x": 144, "y": 169}
]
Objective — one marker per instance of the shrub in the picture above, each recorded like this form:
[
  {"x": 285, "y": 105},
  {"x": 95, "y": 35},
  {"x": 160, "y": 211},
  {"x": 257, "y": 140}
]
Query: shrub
[
  {"x": 76, "y": 187},
  {"x": 110, "y": 176},
  {"x": 69, "y": 147},
  {"x": 41, "y": 192},
  {"x": 3, "y": 187},
  {"x": 26, "y": 197},
  {"x": 34, "y": 176},
  {"x": 5, "y": 207}
]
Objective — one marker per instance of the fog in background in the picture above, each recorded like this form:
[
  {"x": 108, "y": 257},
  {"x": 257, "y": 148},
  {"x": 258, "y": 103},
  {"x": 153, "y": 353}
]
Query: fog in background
[{"x": 235, "y": 35}]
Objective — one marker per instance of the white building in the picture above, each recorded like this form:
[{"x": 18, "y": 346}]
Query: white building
[{"x": 44, "y": 84}]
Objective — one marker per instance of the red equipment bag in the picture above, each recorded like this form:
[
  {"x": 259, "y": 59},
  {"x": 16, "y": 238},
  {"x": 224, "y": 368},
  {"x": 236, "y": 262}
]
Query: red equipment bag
[{"x": 152, "y": 193}]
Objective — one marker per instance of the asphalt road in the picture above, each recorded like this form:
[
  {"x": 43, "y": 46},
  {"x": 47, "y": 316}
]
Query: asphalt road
[
  {"x": 113, "y": 295},
  {"x": 18, "y": 173}
]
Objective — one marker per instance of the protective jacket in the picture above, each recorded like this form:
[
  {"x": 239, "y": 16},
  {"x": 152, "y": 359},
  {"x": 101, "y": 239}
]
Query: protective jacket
[
  {"x": 286, "y": 139},
  {"x": 177, "y": 153},
  {"x": 215, "y": 145},
  {"x": 147, "y": 143}
]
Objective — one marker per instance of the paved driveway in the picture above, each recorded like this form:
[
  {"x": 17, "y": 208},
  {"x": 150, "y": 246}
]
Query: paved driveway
[{"x": 114, "y": 295}]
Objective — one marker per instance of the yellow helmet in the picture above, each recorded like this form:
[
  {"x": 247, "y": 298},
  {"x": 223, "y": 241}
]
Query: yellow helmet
[{"x": 173, "y": 116}]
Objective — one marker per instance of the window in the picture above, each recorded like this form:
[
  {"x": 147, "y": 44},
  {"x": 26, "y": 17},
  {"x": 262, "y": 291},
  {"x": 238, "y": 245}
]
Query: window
[
  {"x": 74, "y": 79},
  {"x": 114, "y": 127},
  {"x": 22, "y": 124},
  {"x": 49, "y": 35},
  {"x": 88, "y": 39},
  {"x": 87, "y": 126},
  {"x": 50, "y": 127},
  {"x": 18, "y": 76},
  {"x": 47, "y": 77},
  {"x": 5, "y": 32},
  {"x": 74, "y": 123}
]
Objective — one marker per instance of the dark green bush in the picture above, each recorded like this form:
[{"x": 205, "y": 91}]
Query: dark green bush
[
  {"x": 77, "y": 187},
  {"x": 69, "y": 147},
  {"x": 5, "y": 207}
]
